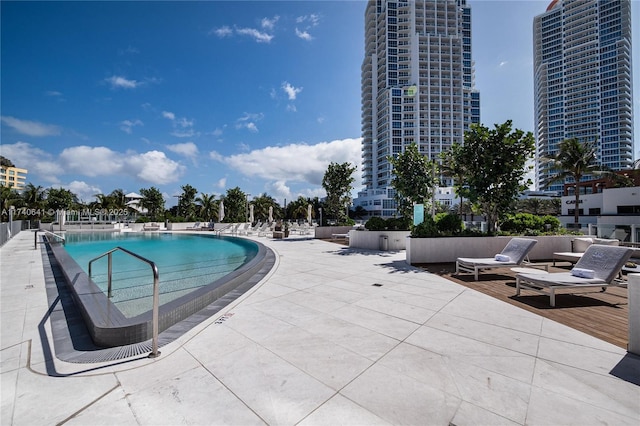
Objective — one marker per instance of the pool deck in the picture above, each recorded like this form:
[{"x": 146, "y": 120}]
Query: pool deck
[{"x": 332, "y": 336}]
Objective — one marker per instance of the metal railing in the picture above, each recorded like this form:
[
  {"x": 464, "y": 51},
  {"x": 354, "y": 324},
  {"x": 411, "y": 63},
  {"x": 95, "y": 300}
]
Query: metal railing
[
  {"x": 35, "y": 237},
  {"x": 156, "y": 290}
]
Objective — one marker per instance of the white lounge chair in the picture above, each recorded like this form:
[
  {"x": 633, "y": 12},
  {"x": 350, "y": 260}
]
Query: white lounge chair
[
  {"x": 579, "y": 246},
  {"x": 598, "y": 266},
  {"x": 513, "y": 254}
]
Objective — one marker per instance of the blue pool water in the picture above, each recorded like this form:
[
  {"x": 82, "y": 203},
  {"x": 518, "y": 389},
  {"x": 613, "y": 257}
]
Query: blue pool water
[{"x": 185, "y": 262}]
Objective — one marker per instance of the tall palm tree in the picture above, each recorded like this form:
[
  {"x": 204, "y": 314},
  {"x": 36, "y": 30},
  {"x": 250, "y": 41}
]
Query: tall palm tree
[
  {"x": 207, "y": 206},
  {"x": 575, "y": 160},
  {"x": 33, "y": 196}
]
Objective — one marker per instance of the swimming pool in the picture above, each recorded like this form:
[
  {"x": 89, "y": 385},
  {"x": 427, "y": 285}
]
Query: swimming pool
[
  {"x": 185, "y": 262},
  {"x": 194, "y": 279}
]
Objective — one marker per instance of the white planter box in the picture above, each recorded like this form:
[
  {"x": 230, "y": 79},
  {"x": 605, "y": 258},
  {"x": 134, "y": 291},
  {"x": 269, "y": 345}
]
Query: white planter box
[
  {"x": 448, "y": 249},
  {"x": 396, "y": 240}
]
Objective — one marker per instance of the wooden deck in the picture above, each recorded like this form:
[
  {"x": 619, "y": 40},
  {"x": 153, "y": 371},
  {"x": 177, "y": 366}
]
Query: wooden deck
[{"x": 604, "y": 315}]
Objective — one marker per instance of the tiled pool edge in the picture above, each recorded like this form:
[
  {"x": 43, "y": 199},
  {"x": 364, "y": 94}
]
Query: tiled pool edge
[{"x": 108, "y": 327}]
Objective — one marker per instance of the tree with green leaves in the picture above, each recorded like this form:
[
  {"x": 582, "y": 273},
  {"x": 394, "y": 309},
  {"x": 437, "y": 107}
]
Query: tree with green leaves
[
  {"x": 60, "y": 198},
  {"x": 337, "y": 182},
  {"x": 413, "y": 179},
  {"x": 153, "y": 201},
  {"x": 5, "y": 162},
  {"x": 33, "y": 196},
  {"x": 297, "y": 209},
  {"x": 235, "y": 206},
  {"x": 187, "y": 202},
  {"x": 451, "y": 168},
  {"x": 261, "y": 206},
  {"x": 207, "y": 207},
  {"x": 8, "y": 197},
  {"x": 574, "y": 160},
  {"x": 495, "y": 163}
]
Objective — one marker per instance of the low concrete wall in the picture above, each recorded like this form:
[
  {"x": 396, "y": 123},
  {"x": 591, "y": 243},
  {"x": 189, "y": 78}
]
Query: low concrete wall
[
  {"x": 396, "y": 240},
  {"x": 325, "y": 232},
  {"x": 448, "y": 249}
]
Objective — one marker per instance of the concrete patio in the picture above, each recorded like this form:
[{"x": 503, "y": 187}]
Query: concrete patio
[{"x": 332, "y": 336}]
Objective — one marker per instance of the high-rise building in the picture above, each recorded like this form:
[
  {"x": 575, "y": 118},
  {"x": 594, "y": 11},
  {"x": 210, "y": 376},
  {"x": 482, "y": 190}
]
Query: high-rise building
[
  {"x": 583, "y": 80},
  {"x": 13, "y": 177},
  {"x": 417, "y": 87}
]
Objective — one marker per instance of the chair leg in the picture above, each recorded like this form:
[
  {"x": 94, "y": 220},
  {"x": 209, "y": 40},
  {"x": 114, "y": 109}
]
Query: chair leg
[
  {"x": 552, "y": 297},
  {"x": 476, "y": 269},
  {"x": 517, "y": 286}
]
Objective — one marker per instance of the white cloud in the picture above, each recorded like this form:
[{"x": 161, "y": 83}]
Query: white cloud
[
  {"x": 269, "y": 23},
  {"x": 187, "y": 149},
  {"x": 259, "y": 36},
  {"x": 222, "y": 32},
  {"x": 320, "y": 120},
  {"x": 503, "y": 63},
  {"x": 119, "y": 82},
  {"x": 279, "y": 189},
  {"x": 292, "y": 108},
  {"x": 248, "y": 121},
  {"x": 309, "y": 21},
  {"x": 92, "y": 161},
  {"x": 304, "y": 35},
  {"x": 291, "y": 91},
  {"x": 83, "y": 190},
  {"x": 53, "y": 93},
  {"x": 35, "y": 160},
  {"x": 222, "y": 183},
  {"x": 153, "y": 167},
  {"x": 128, "y": 125},
  {"x": 30, "y": 128},
  {"x": 216, "y": 156},
  {"x": 182, "y": 127},
  {"x": 313, "y": 19},
  {"x": 295, "y": 162}
]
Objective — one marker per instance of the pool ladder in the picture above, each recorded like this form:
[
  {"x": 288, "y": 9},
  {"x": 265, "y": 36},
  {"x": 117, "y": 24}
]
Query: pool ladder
[
  {"x": 35, "y": 237},
  {"x": 156, "y": 290}
]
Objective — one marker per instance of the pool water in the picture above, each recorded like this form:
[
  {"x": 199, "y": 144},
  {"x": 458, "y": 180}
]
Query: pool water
[{"x": 185, "y": 262}]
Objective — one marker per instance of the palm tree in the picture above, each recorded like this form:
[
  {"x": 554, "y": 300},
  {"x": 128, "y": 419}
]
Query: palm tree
[
  {"x": 33, "y": 196},
  {"x": 207, "y": 206},
  {"x": 575, "y": 160}
]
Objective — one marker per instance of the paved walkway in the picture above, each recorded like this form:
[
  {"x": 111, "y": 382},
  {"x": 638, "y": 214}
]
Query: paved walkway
[{"x": 332, "y": 336}]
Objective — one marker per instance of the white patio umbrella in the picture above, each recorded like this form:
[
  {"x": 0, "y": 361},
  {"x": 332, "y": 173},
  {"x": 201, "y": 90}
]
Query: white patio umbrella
[
  {"x": 309, "y": 213},
  {"x": 270, "y": 214},
  {"x": 250, "y": 213},
  {"x": 221, "y": 211}
]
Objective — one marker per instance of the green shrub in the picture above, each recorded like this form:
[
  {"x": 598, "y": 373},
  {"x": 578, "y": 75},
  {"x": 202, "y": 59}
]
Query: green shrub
[
  {"x": 553, "y": 221},
  {"x": 398, "y": 224},
  {"x": 448, "y": 223},
  {"x": 426, "y": 229},
  {"x": 376, "y": 224},
  {"x": 522, "y": 223}
]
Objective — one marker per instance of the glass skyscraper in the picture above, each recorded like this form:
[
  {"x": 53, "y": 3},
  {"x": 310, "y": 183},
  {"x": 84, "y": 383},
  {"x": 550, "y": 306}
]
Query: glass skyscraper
[
  {"x": 583, "y": 80},
  {"x": 417, "y": 87}
]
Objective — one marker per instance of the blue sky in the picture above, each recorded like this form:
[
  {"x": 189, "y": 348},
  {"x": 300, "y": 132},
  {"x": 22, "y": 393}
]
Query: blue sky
[{"x": 217, "y": 94}]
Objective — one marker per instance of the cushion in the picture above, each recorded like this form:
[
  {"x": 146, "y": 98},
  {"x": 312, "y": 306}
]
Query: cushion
[
  {"x": 502, "y": 258},
  {"x": 606, "y": 242},
  {"x": 580, "y": 245},
  {"x": 583, "y": 273}
]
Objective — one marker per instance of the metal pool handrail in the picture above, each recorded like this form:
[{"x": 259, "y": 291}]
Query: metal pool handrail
[
  {"x": 35, "y": 237},
  {"x": 156, "y": 290}
]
